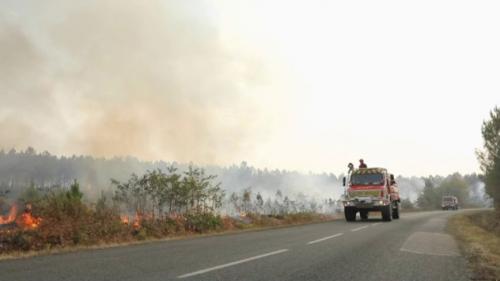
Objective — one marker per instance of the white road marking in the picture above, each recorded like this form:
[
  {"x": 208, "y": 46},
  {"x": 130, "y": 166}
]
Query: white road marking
[
  {"x": 325, "y": 238},
  {"x": 359, "y": 228},
  {"x": 375, "y": 224},
  {"x": 231, "y": 264}
]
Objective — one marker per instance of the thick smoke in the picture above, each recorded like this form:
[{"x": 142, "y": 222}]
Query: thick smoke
[
  {"x": 106, "y": 78},
  {"x": 23, "y": 88}
]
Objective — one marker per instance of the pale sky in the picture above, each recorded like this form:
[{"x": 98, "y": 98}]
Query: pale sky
[{"x": 300, "y": 85}]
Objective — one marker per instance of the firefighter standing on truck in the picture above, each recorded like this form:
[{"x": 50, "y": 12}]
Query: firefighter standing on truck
[{"x": 350, "y": 166}]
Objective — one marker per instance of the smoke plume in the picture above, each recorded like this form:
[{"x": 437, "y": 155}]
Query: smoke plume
[{"x": 150, "y": 79}]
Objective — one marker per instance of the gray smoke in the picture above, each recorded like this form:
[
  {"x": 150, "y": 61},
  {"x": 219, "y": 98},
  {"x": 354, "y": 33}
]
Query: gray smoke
[{"x": 150, "y": 79}]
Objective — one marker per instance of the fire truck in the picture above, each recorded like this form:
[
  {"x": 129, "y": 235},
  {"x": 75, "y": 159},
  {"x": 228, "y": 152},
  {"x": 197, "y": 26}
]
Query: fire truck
[
  {"x": 371, "y": 190},
  {"x": 449, "y": 203}
]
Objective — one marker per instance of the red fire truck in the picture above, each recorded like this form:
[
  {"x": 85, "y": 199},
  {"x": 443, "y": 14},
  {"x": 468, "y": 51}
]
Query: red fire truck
[{"x": 369, "y": 190}]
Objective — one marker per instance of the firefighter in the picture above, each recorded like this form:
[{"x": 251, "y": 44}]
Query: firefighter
[
  {"x": 350, "y": 166},
  {"x": 362, "y": 164}
]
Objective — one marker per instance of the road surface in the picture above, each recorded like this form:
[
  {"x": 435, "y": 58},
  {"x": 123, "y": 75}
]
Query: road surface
[{"x": 414, "y": 247}]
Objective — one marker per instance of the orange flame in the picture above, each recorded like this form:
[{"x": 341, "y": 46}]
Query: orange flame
[
  {"x": 10, "y": 217},
  {"x": 28, "y": 221},
  {"x": 137, "y": 221},
  {"x": 124, "y": 219}
]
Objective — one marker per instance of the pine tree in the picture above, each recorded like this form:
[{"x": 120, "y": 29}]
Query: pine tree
[{"x": 489, "y": 157}]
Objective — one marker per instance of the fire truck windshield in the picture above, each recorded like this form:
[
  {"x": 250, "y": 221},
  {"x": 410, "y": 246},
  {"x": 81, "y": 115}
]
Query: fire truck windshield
[{"x": 367, "y": 179}]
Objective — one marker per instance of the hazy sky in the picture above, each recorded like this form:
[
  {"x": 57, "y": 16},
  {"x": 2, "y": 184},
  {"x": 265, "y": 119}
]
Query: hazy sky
[{"x": 303, "y": 85}]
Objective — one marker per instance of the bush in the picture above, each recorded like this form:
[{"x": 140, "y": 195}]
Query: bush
[{"x": 203, "y": 222}]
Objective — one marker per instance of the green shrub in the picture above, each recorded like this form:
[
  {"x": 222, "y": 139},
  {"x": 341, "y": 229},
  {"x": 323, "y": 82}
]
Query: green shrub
[{"x": 203, "y": 222}]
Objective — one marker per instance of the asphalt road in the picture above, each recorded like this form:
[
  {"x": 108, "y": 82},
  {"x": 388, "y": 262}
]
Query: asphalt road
[{"x": 414, "y": 247}]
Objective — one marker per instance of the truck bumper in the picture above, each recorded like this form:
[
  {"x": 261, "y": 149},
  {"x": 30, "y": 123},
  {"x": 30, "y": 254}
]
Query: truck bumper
[
  {"x": 367, "y": 203},
  {"x": 367, "y": 208}
]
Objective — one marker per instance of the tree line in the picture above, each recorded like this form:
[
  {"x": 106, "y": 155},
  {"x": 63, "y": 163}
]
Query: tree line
[{"x": 24, "y": 168}]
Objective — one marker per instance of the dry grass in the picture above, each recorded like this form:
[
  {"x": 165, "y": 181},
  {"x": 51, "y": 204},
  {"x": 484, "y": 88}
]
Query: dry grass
[{"x": 478, "y": 234}]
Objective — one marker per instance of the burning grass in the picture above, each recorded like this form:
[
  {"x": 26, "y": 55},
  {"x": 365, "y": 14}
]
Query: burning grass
[
  {"x": 479, "y": 236},
  {"x": 61, "y": 222},
  {"x": 91, "y": 229},
  {"x": 25, "y": 220},
  {"x": 81, "y": 225}
]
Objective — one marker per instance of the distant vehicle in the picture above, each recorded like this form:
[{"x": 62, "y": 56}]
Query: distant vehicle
[
  {"x": 368, "y": 190},
  {"x": 449, "y": 203}
]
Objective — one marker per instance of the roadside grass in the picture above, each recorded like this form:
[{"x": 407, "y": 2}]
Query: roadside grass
[
  {"x": 230, "y": 225},
  {"x": 478, "y": 235}
]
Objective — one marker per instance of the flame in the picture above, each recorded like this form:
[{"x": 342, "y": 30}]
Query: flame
[
  {"x": 137, "y": 221},
  {"x": 124, "y": 219},
  {"x": 10, "y": 217},
  {"x": 26, "y": 220}
]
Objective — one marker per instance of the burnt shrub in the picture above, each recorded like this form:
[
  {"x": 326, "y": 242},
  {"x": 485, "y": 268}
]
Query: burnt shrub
[
  {"x": 22, "y": 240},
  {"x": 19, "y": 239}
]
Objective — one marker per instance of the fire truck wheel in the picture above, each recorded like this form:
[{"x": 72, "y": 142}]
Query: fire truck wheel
[
  {"x": 395, "y": 212},
  {"x": 363, "y": 215},
  {"x": 387, "y": 213},
  {"x": 350, "y": 214}
]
